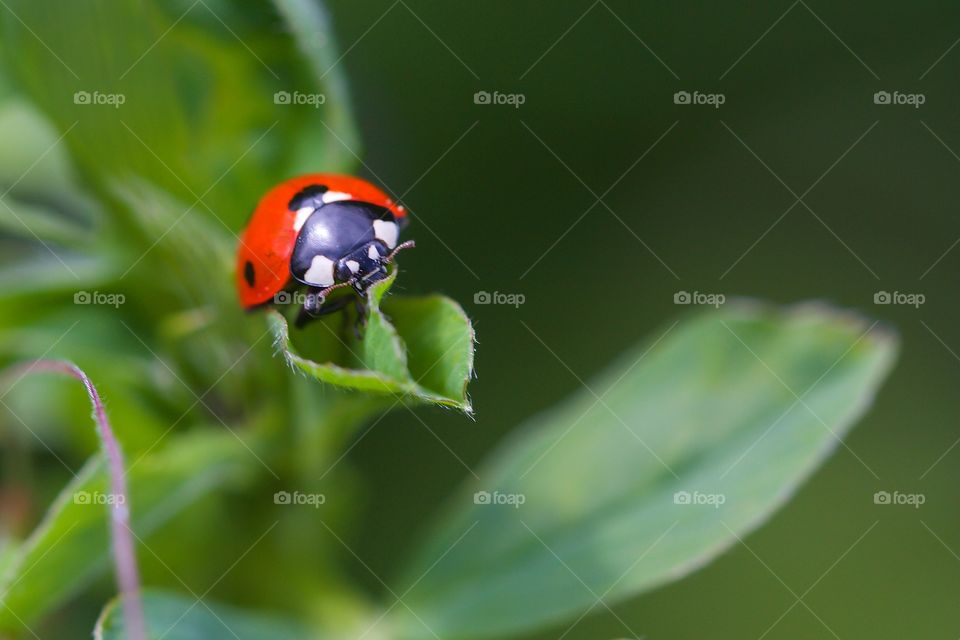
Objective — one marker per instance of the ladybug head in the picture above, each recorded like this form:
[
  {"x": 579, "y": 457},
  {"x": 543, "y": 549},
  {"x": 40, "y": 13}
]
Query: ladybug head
[{"x": 364, "y": 267}]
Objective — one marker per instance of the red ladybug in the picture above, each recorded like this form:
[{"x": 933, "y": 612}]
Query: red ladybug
[{"x": 323, "y": 231}]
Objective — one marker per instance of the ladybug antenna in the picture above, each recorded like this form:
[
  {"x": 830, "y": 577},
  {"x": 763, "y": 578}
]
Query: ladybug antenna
[
  {"x": 409, "y": 244},
  {"x": 323, "y": 293}
]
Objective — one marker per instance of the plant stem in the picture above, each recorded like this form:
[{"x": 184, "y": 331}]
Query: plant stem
[{"x": 124, "y": 557}]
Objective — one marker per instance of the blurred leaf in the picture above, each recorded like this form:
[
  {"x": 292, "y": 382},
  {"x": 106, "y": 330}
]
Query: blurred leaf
[
  {"x": 183, "y": 93},
  {"x": 44, "y": 272},
  {"x": 434, "y": 366},
  {"x": 176, "y": 617},
  {"x": 39, "y": 223},
  {"x": 71, "y": 545},
  {"x": 309, "y": 22},
  {"x": 710, "y": 410},
  {"x": 145, "y": 398},
  {"x": 32, "y": 157},
  {"x": 8, "y": 551}
]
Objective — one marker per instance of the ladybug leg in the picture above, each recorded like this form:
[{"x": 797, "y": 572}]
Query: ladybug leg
[
  {"x": 314, "y": 307},
  {"x": 362, "y": 316}
]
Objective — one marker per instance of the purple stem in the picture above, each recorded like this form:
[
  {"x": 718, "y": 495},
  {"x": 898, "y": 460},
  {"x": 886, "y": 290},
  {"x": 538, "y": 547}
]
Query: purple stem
[{"x": 128, "y": 577}]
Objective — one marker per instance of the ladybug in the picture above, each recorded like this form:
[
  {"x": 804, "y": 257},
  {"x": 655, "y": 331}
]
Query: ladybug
[{"x": 321, "y": 231}]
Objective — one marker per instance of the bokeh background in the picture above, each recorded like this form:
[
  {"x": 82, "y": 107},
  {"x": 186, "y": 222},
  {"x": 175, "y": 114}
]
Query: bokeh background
[
  {"x": 498, "y": 186},
  {"x": 598, "y": 200}
]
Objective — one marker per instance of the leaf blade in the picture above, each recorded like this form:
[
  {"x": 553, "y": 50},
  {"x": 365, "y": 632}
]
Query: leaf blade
[
  {"x": 600, "y": 517},
  {"x": 398, "y": 353},
  {"x": 71, "y": 545},
  {"x": 177, "y": 617}
]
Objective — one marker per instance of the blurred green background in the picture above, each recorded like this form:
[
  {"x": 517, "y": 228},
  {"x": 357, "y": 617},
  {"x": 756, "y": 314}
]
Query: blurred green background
[
  {"x": 496, "y": 199},
  {"x": 694, "y": 199}
]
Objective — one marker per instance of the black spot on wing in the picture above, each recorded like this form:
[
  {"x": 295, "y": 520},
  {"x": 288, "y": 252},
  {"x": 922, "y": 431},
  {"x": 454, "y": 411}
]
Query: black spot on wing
[
  {"x": 248, "y": 273},
  {"x": 311, "y": 196}
]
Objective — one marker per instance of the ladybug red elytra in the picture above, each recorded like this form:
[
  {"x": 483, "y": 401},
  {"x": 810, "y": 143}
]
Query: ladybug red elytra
[{"x": 322, "y": 231}]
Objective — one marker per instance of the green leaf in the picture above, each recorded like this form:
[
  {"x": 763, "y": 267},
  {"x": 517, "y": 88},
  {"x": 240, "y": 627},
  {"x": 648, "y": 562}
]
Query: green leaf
[
  {"x": 711, "y": 409},
  {"x": 423, "y": 351},
  {"x": 176, "y": 617},
  {"x": 309, "y": 22},
  {"x": 182, "y": 94},
  {"x": 71, "y": 546},
  {"x": 439, "y": 340},
  {"x": 58, "y": 272},
  {"x": 39, "y": 223}
]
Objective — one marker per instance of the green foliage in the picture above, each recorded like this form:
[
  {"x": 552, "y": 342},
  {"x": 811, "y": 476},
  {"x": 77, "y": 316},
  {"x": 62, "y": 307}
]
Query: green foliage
[
  {"x": 71, "y": 545},
  {"x": 426, "y": 356},
  {"x": 738, "y": 406},
  {"x": 143, "y": 202},
  {"x": 183, "y": 618}
]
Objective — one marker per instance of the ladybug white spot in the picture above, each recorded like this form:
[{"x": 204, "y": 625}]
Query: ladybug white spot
[
  {"x": 372, "y": 252},
  {"x": 302, "y": 215},
  {"x": 386, "y": 231},
  {"x": 335, "y": 196},
  {"x": 353, "y": 265},
  {"x": 320, "y": 272}
]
